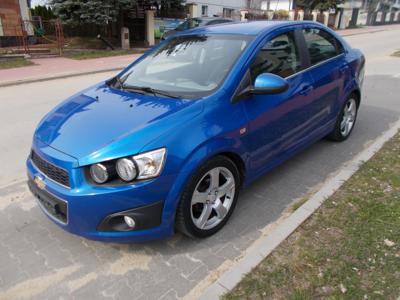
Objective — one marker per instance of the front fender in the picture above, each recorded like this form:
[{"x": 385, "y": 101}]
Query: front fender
[{"x": 196, "y": 158}]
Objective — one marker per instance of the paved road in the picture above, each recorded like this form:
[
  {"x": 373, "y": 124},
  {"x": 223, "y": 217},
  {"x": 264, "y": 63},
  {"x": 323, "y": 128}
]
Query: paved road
[{"x": 40, "y": 261}]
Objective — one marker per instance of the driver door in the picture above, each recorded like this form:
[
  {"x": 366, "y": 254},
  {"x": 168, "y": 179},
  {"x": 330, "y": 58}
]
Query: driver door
[{"x": 278, "y": 122}]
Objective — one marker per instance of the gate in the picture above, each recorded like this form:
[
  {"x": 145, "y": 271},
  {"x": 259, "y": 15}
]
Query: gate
[{"x": 32, "y": 37}]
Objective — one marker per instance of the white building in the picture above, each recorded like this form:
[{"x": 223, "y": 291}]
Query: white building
[
  {"x": 222, "y": 8},
  {"x": 276, "y": 5}
]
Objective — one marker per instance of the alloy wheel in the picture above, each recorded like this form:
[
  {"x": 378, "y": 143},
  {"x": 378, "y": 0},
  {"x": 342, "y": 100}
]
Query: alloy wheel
[
  {"x": 349, "y": 117},
  {"x": 212, "y": 198}
]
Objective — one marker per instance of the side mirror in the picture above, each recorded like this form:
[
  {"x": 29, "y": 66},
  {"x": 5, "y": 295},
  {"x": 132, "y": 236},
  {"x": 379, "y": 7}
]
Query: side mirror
[
  {"x": 268, "y": 83},
  {"x": 265, "y": 83}
]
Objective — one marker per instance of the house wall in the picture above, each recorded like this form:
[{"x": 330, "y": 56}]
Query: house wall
[
  {"x": 217, "y": 7},
  {"x": 277, "y": 4},
  {"x": 10, "y": 17}
]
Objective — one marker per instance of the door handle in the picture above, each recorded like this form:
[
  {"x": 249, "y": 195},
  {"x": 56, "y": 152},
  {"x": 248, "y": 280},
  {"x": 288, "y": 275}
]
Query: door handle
[{"x": 306, "y": 90}]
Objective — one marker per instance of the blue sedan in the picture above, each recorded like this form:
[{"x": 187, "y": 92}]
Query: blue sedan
[{"x": 170, "y": 141}]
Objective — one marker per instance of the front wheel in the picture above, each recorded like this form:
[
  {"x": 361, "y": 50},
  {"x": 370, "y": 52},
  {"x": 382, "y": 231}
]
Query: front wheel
[
  {"x": 346, "y": 120},
  {"x": 209, "y": 198}
]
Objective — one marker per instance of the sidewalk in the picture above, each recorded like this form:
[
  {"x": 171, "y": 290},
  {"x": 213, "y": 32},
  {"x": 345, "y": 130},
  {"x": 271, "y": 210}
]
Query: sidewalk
[
  {"x": 59, "y": 67},
  {"x": 366, "y": 29}
]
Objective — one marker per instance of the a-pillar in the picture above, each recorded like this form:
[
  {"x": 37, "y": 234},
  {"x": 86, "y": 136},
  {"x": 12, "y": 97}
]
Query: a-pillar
[{"x": 150, "y": 28}]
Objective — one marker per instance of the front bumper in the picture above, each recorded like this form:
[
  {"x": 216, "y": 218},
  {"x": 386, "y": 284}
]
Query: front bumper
[{"x": 86, "y": 210}]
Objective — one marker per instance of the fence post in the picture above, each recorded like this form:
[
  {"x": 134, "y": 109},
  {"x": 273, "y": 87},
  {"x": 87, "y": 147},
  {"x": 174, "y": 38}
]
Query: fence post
[
  {"x": 291, "y": 15},
  {"x": 326, "y": 17},
  {"x": 301, "y": 15},
  {"x": 24, "y": 37},
  {"x": 150, "y": 27},
  {"x": 314, "y": 14},
  {"x": 59, "y": 36},
  {"x": 192, "y": 7}
]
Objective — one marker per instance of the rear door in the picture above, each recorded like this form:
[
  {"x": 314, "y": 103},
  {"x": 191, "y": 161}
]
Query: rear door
[{"x": 328, "y": 70}]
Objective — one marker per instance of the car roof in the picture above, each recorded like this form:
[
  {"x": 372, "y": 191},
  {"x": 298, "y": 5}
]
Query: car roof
[{"x": 248, "y": 28}]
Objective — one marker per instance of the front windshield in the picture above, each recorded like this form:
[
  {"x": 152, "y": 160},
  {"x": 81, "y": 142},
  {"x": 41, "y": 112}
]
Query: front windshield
[{"x": 187, "y": 66}]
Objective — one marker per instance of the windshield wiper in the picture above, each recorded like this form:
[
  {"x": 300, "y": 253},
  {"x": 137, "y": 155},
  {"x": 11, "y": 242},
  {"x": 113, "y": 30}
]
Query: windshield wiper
[
  {"x": 148, "y": 89},
  {"x": 115, "y": 82}
]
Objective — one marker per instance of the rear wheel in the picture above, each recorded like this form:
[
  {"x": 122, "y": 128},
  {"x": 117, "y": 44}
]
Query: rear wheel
[
  {"x": 346, "y": 120},
  {"x": 209, "y": 198}
]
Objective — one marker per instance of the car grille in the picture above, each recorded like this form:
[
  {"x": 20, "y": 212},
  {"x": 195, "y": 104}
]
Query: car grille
[
  {"x": 53, "y": 206},
  {"x": 51, "y": 171}
]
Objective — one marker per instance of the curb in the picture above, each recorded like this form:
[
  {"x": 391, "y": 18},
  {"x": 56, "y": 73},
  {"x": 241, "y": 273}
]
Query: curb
[
  {"x": 261, "y": 248},
  {"x": 23, "y": 81}
]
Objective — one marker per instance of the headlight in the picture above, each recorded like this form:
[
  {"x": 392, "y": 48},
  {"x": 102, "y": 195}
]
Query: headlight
[
  {"x": 126, "y": 169},
  {"x": 99, "y": 173},
  {"x": 142, "y": 166},
  {"x": 150, "y": 163}
]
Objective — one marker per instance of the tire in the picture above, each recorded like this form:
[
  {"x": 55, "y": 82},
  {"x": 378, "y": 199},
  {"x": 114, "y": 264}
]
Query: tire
[
  {"x": 346, "y": 120},
  {"x": 206, "y": 204}
]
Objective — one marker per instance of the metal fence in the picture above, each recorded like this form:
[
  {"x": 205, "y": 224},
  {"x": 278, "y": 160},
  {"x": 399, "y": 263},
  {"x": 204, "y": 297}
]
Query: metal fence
[{"x": 28, "y": 35}]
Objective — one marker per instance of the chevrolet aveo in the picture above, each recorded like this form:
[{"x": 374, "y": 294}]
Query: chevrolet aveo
[{"x": 169, "y": 142}]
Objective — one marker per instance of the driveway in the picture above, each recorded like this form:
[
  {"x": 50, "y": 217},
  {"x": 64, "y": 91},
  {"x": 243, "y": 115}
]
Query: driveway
[{"x": 40, "y": 261}]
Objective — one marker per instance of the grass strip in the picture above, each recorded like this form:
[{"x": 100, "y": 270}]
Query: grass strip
[{"x": 350, "y": 247}]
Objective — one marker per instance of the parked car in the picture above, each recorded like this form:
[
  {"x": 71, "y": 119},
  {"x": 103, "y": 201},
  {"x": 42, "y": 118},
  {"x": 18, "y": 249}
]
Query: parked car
[
  {"x": 170, "y": 141},
  {"x": 193, "y": 23}
]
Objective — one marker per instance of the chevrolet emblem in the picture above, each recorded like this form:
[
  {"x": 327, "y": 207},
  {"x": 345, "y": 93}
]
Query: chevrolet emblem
[{"x": 39, "y": 182}]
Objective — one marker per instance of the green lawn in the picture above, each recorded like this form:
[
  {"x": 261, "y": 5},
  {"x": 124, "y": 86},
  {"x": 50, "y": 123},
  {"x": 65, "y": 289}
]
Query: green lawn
[
  {"x": 15, "y": 63},
  {"x": 349, "y": 249},
  {"x": 89, "y": 54}
]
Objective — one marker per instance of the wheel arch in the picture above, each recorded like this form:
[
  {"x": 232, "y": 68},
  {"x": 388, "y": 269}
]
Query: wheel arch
[
  {"x": 357, "y": 93},
  {"x": 237, "y": 160},
  {"x": 216, "y": 147}
]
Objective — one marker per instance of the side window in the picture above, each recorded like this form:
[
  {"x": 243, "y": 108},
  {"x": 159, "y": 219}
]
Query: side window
[
  {"x": 279, "y": 56},
  {"x": 321, "y": 45}
]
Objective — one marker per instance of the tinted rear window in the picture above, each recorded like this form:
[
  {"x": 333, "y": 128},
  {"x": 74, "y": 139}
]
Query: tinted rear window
[{"x": 321, "y": 45}]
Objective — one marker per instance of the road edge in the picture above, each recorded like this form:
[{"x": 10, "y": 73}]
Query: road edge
[
  {"x": 263, "y": 247},
  {"x": 61, "y": 76}
]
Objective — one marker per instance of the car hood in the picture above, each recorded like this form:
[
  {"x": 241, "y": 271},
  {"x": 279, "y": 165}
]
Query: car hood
[{"x": 103, "y": 123}]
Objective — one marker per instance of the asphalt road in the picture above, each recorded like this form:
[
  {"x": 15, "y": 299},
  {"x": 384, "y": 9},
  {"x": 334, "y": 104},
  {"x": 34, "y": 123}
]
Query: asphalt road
[{"x": 40, "y": 261}]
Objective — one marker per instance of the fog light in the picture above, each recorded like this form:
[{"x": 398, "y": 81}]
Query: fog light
[{"x": 129, "y": 221}]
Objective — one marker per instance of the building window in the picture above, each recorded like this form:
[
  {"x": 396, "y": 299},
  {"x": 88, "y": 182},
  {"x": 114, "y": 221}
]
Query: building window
[
  {"x": 204, "y": 10},
  {"x": 227, "y": 12}
]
